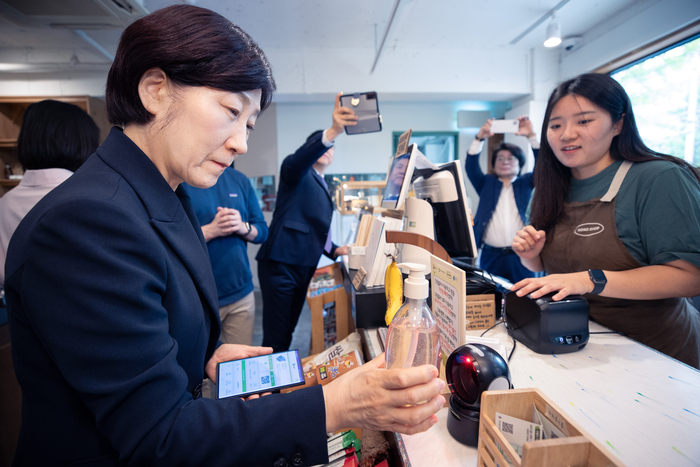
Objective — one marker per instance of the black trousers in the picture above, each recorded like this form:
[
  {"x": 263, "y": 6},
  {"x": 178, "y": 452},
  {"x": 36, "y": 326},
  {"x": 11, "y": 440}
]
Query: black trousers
[{"x": 283, "y": 288}]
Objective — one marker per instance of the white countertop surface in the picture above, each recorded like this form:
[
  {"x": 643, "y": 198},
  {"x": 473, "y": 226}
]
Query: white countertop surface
[{"x": 640, "y": 404}]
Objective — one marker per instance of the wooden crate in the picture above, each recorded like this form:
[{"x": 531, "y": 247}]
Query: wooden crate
[
  {"x": 344, "y": 322},
  {"x": 579, "y": 449}
]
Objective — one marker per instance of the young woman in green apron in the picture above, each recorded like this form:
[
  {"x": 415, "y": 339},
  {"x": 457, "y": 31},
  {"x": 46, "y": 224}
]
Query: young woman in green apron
[{"x": 614, "y": 220}]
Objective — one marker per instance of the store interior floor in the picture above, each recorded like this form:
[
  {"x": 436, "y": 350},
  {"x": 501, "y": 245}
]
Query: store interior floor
[{"x": 301, "y": 339}]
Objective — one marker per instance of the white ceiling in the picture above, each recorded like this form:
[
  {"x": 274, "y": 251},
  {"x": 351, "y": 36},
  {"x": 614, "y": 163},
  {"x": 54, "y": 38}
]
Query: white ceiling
[
  {"x": 469, "y": 24},
  {"x": 294, "y": 31}
]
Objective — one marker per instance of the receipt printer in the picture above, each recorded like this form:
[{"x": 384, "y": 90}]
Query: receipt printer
[{"x": 546, "y": 326}]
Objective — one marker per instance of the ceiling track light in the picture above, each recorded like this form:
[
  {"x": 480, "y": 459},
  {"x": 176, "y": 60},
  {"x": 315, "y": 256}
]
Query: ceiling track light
[
  {"x": 541, "y": 20},
  {"x": 553, "y": 33}
]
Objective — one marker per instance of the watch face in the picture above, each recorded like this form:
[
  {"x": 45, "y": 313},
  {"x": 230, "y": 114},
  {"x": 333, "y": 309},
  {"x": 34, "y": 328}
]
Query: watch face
[{"x": 597, "y": 276}]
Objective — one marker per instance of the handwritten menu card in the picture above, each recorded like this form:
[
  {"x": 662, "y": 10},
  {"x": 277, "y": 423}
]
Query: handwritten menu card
[{"x": 449, "y": 302}]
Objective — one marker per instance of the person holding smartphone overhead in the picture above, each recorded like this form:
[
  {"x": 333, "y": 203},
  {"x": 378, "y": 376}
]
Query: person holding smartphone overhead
[
  {"x": 503, "y": 200},
  {"x": 111, "y": 299},
  {"x": 300, "y": 231},
  {"x": 614, "y": 220}
]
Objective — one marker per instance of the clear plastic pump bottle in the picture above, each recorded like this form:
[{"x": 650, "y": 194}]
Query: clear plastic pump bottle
[{"x": 413, "y": 337}]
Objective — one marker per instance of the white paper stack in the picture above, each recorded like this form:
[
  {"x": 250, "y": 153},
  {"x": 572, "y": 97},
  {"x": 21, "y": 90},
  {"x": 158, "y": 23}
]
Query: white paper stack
[{"x": 376, "y": 259}]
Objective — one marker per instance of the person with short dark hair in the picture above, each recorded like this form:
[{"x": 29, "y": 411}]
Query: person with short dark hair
[
  {"x": 503, "y": 200},
  {"x": 299, "y": 231},
  {"x": 54, "y": 140},
  {"x": 112, "y": 302},
  {"x": 614, "y": 220}
]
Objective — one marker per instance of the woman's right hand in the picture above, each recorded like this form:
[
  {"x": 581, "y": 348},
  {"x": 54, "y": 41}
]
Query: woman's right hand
[
  {"x": 485, "y": 131},
  {"x": 528, "y": 242},
  {"x": 399, "y": 400}
]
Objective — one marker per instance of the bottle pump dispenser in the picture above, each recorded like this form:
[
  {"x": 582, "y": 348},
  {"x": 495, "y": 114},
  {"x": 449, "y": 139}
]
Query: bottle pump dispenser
[{"x": 413, "y": 337}]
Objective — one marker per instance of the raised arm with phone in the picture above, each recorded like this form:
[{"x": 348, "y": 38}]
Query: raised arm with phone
[
  {"x": 504, "y": 196},
  {"x": 300, "y": 230}
]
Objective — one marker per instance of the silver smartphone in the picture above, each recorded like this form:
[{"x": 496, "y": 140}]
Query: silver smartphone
[{"x": 505, "y": 126}]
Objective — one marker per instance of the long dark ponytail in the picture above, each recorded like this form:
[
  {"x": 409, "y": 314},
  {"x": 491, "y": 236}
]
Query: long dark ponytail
[{"x": 553, "y": 179}]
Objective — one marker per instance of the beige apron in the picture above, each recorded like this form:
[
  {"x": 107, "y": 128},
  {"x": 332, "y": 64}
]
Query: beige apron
[{"x": 586, "y": 238}]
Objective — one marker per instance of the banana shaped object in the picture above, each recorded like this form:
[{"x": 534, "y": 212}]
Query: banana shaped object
[{"x": 393, "y": 289}]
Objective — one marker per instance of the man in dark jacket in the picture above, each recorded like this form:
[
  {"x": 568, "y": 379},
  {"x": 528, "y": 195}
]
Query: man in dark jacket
[
  {"x": 299, "y": 232},
  {"x": 503, "y": 200}
]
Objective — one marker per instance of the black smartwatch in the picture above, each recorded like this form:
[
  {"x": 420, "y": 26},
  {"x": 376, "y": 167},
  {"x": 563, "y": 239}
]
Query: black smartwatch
[
  {"x": 247, "y": 226},
  {"x": 598, "y": 278}
]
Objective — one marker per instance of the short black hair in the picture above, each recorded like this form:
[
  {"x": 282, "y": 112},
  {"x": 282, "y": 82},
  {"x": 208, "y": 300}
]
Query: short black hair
[
  {"x": 56, "y": 135},
  {"x": 513, "y": 149},
  {"x": 194, "y": 47}
]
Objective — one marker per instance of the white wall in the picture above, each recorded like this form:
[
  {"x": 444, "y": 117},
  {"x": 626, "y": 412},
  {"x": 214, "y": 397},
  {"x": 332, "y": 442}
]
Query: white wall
[
  {"x": 54, "y": 84},
  {"x": 471, "y": 74}
]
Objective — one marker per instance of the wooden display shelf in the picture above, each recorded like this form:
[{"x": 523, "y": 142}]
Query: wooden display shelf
[
  {"x": 578, "y": 449},
  {"x": 347, "y": 207}
]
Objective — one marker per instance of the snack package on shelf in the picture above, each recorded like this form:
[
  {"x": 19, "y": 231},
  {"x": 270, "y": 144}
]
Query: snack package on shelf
[
  {"x": 327, "y": 372},
  {"x": 347, "y": 345}
]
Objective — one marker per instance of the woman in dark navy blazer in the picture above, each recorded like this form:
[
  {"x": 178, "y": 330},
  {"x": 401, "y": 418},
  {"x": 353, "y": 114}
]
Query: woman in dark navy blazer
[{"x": 112, "y": 303}]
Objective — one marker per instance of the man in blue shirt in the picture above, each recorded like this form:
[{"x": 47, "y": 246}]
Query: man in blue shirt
[{"x": 231, "y": 217}]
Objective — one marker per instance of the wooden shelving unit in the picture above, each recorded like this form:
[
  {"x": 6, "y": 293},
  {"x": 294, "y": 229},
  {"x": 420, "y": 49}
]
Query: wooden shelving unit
[{"x": 11, "y": 111}]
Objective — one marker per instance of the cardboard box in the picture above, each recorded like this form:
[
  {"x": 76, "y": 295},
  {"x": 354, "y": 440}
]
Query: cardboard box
[{"x": 335, "y": 302}]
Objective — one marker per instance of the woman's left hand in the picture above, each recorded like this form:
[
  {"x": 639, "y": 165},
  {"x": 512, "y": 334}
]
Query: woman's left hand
[
  {"x": 229, "y": 352},
  {"x": 576, "y": 283}
]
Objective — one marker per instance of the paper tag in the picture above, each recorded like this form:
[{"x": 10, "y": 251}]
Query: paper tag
[
  {"x": 448, "y": 284},
  {"x": 357, "y": 250},
  {"x": 517, "y": 432},
  {"x": 558, "y": 421},
  {"x": 481, "y": 312},
  {"x": 402, "y": 146},
  {"x": 549, "y": 431},
  {"x": 359, "y": 277}
]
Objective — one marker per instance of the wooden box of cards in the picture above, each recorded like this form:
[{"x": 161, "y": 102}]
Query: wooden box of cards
[{"x": 557, "y": 440}]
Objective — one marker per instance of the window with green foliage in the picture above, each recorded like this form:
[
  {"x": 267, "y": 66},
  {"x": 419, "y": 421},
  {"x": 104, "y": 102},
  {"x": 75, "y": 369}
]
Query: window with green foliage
[{"x": 664, "y": 93}]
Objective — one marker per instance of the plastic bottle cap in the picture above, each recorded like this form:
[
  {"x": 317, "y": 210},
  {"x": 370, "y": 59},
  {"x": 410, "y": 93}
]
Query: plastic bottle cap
[{"x": 415, "y": 286}]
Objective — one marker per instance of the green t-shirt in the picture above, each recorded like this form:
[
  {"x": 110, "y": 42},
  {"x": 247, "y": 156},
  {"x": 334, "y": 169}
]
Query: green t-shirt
[{"x": 657, "y": 210}]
